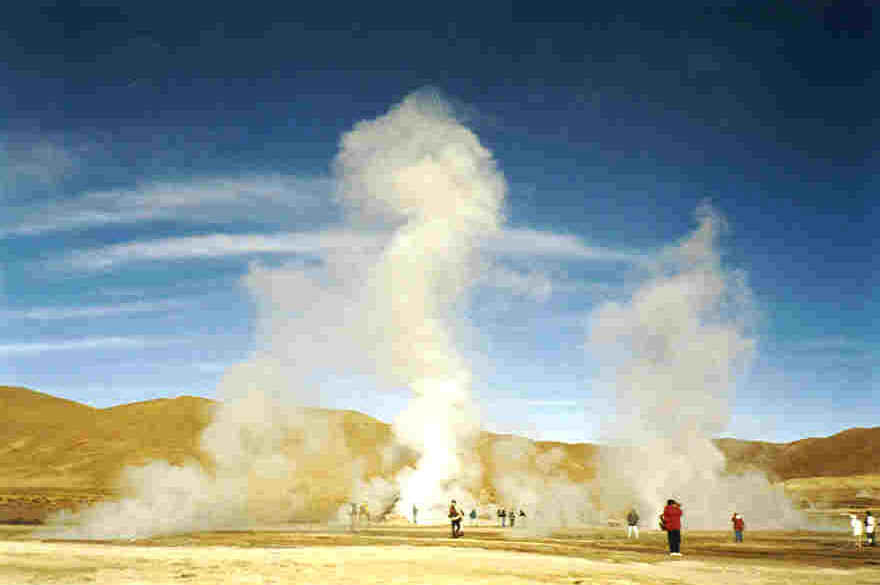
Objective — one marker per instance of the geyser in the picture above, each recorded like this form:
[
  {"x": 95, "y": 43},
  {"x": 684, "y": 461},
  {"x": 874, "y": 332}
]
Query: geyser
[{"x": 673, "y": 354}]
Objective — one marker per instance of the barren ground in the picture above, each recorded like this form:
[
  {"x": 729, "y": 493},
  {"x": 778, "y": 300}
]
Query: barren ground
[{"x": 409, "y": 554}]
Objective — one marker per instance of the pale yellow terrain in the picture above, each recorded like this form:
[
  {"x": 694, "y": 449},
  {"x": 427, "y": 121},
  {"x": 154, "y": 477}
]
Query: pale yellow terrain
[{"x": 426, "y": 555}]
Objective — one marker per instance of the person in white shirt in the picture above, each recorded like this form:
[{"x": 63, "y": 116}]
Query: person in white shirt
[
  {"x": 870, "y": 528},
  {"x": 856, "y": 529}
]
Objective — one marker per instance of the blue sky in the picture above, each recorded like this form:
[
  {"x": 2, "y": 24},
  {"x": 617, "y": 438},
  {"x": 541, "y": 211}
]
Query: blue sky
[{"x": 150, "y": 154}]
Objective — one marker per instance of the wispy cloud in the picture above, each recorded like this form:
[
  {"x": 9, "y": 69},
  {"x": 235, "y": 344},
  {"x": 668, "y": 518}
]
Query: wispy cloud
[
  {"x": 213, "y": 200},
  {"x": 221, "y": 246},
  {"x": 86, "y": 343},
  {"x": 512, "y": 243},
  {"x": 529, "y": 242},
  {"x": 93, "y": 311},
  {"x": 28, "y": 159},
  {"x": 553, "y": 403}
]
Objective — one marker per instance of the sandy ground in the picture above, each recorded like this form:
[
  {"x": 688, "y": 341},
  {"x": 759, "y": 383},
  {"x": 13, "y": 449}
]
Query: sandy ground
[{"x": 302, "y": 555}]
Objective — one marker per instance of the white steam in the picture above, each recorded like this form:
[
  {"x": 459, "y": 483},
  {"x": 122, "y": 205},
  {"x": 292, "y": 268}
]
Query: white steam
[
  {"x": 427, "y": 193},
  {"x": 421, "y": 171},
  {"x": 673, "y": 354}
]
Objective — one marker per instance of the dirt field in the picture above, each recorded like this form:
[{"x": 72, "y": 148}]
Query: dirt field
[{"x": 407, "y": 554}]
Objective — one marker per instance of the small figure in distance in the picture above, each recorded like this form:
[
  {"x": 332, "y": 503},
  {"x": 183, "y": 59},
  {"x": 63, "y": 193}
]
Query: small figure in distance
[
  {"x": 856, "y": 530},
  {"x": 870, "y": 527},
  {"x": 503, "y": 515},
  {"x": 671, "y": 522},
  {"x": 632, "y": 524},
  {"x": 365, "y": 514},
  {"x": 353, "y": 511},
  {"x": 512, "y": 517},
  {"x": 473, "y": 516},
  {"x": 415, "y": 514},
  {"x": 738, "y": 526},
  {"x": 455, "y": 516}
]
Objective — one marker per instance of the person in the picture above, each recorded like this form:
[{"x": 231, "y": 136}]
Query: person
[
  {"x": 473, "y": 516},
  {"x": 512, "y": 517},
  {"x": 415, "y": 514},
  {"x": 738, "y": 526},
  {"x": 354, "y": 514},
  {"x": 365, "y": 514},
  {"x": 522, "y": 517},
  {"x": 503, "y": 514},
  {"x": 856, "y": 530},
  {"x": 632, "y": 524},
  {"x": 671, "y": 522},
  {"x": 455, "y": 517},
  {"x": 870, "y": 527}
]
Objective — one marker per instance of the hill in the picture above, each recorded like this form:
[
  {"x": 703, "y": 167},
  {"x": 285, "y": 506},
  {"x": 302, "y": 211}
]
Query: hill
[{"x": 57, "y": 453}]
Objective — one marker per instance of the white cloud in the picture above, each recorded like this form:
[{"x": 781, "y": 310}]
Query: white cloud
[
  {"x": 53, "y": 313},
  {"x": 529, "y": 242},
  {"x": 221, "y": 246},
  {"x": 530, "y": 284},
  {"x": 512, "y": 243},
  {"x": 85, "y": 343},
  {"x": 213, "y": 200},
  {"x": 26, "y": 159}
]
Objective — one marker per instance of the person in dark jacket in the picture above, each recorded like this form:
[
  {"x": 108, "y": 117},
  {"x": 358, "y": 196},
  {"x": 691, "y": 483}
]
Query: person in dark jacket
[{"x": 672, "y": 524}]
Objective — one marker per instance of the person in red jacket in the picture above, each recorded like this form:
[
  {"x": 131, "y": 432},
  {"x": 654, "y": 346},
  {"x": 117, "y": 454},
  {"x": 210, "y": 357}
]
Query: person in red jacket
[
  {"x": 672, "y": 524},
  {"x": 738, "y": 526}
]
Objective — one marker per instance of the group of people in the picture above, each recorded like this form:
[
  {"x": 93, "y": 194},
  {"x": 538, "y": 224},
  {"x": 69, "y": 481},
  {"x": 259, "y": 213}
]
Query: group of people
[
  {"x": 868, "y": 527},
  {"x": 505, "y": 515},
  {"x": 456, "y": 514},
  {"x": 670, "y": 522},
  {"x": 359, "y": 514}
]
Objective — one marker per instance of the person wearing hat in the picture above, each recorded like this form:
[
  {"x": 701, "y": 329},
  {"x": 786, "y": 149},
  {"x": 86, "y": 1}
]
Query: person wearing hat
[{"x": 738, "y": 526}]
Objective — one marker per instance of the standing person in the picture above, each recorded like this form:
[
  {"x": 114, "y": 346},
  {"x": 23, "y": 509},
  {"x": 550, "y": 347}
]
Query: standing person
[
  {"x": 503, "y": 515},
  {"x": 671, "y": 520},
  {"x": 512, "y": 517},
  {"x": 473, "y": 515},
  {"x": 738, "y": 526},
  {"x": 455, "y": 516},
  {"x": 415, "y": 514},
  {"x": 856, "y": 530},
  {"x": 632, "y": 523},
  {"x": 870, "y": 527}
]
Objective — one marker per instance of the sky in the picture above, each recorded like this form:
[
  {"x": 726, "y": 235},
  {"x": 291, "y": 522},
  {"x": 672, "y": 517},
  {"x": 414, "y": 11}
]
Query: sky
[{"x": 152, "y": 155}]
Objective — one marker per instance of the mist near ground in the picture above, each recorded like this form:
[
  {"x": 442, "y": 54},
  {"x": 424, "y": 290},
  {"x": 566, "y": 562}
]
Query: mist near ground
[
  {"x": 420, "y": 197},
  {"x": 671, "y": 356},
  {"x": 419, "y": 194}
]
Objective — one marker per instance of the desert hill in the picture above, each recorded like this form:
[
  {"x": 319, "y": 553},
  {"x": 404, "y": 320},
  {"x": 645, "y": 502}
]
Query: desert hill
[{"x": 59, "y": 453}]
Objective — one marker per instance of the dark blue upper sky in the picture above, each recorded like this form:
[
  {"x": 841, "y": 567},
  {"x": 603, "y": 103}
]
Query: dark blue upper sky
[{"x": 610, "y": 123}]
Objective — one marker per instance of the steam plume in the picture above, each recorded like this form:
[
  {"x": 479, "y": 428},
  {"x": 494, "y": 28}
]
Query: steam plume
[
  {"x": 421, "y": 171},
  {"x": 427, "y": 193},
  {"x": 673, "y": 354}
]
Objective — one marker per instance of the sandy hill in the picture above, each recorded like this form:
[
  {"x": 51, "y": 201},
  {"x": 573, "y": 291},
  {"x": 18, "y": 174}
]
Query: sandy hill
[{"x": 58, "y": 452}]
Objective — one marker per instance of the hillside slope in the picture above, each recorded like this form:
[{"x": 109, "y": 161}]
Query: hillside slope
[{"x": 55, "y": 451}]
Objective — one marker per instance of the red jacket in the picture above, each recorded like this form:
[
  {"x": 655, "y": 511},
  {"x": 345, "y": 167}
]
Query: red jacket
[
  {"x": 672, "y": 517},
  {"x": 738, "y": 523}
]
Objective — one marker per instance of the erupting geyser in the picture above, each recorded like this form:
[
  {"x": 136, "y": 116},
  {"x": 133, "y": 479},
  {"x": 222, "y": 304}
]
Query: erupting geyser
[
  {"x": 420, "y": 171},
  {"x": 672, "y": 355}
]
